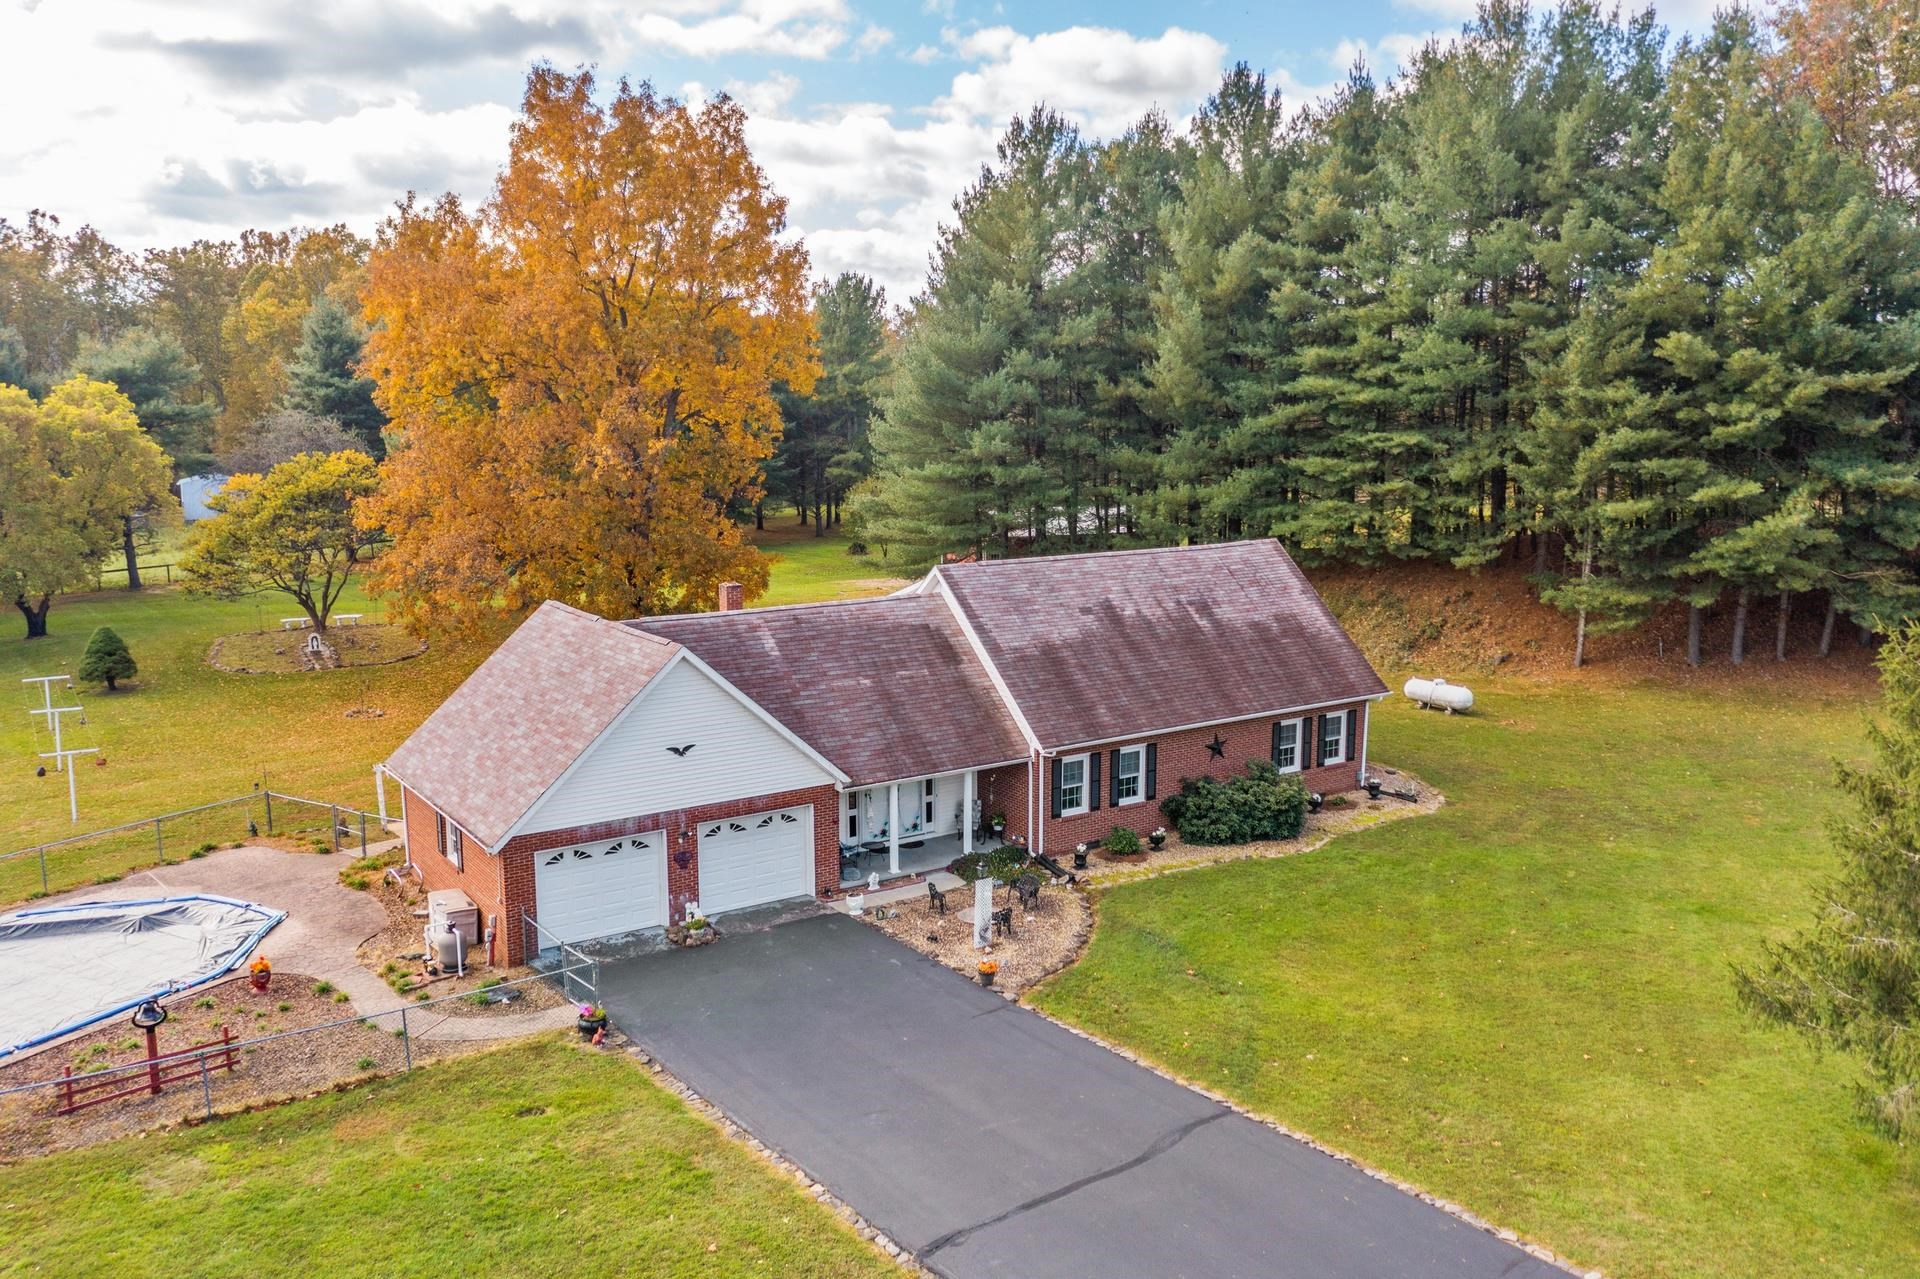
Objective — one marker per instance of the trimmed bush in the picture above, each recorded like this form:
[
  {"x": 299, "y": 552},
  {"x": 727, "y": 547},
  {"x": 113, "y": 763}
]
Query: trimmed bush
[
  {"x": 1261, "y": 804},
  {"x": 1122, "y": 842},
  {"x": 107, "y": 660}
]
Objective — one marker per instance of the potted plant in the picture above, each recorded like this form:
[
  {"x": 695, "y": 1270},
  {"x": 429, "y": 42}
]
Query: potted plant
[
  {"x": 1373, "y": 788},
  {"x": 1122, "y": 842},
  {"x": 1080, "y": 856},
  {"x": 1157, "y": 838},
  {"x": 1314, "y": 800},
  {"x": 988, "y": 968},
  {"x": 592, "y": 1020},
  {"x": 997, "y": 824},
  {"x": 259, "y": 972},
  {"x": 697, "y": 924}
]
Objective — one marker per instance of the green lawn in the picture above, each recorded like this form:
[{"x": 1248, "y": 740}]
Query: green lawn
[
  {"x": 540, "y": 1160},
  {"x": 187, "y": 734},
  {"x": 810, "y": 568},
  {"x": 1522, "y": 1002}
]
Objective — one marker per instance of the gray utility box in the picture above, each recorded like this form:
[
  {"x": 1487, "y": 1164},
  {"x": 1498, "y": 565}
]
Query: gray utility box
[{"x": 451, "y": 906}]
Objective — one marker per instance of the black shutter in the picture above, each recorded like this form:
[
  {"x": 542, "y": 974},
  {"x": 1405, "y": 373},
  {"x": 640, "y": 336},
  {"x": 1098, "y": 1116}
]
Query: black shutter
[
  {"x": 1093, "y": 782},
  {"x": 1056, "y": 788},
  {"x": 1353, "y": 736},
  {"x": 1274, "y": 754},
  {"x": 1113, "y": 777},
  {"x": 1151, "y": 771}
]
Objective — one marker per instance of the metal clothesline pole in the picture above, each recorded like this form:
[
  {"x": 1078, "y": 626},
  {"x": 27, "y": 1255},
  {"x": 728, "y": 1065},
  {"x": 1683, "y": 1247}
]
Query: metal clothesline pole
[{"x": 73, "y": 794}]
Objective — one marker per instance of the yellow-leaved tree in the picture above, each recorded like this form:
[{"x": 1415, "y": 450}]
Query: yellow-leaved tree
[{"x": 580, "y": 374}]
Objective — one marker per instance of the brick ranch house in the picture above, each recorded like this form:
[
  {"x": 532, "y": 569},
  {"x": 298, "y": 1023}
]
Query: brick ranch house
[{"x": 601, "y": 777}]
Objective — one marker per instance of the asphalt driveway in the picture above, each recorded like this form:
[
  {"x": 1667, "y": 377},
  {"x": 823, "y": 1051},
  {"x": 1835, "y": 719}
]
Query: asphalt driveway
[{"x": 990, "y": 1142}]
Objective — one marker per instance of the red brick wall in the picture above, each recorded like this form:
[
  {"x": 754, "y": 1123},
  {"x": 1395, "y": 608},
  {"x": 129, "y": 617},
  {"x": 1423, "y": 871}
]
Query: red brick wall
[
  {"x": 1004, "y": 790},
  {"x": 480, "y": 879},
  {"x": 1181, "y": 755},
  {"x": 682, "y": 831}
]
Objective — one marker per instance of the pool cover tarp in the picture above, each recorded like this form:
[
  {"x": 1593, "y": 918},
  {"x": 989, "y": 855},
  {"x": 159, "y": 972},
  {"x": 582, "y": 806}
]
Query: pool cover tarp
[{"x": 65, "y": 967}]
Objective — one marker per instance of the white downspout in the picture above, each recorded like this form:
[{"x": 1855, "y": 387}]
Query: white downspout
[
  {"x": 380, "y": 785},
  {"x": 1366, "y": 737}
]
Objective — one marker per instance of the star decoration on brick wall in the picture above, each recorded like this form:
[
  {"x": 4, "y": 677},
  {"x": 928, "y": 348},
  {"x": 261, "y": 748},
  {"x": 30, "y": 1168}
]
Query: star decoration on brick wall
[{"x": 1217, "y": 747}]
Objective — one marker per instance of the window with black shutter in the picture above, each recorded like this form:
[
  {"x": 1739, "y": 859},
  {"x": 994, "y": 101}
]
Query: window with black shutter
[
  {"x": 1152, "y": 768},
  {"x": 1054, "y": 789}
]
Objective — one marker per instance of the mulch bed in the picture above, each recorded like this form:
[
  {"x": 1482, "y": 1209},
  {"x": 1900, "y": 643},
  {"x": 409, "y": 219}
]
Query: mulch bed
[
  {"x": 283, "y": 1068},
  {"x": 1052, "y": 936},
  {"x": 1045, "y": 939},
  {"x": 1357, "y": 813},
  {"x": 386, "y": 955}
]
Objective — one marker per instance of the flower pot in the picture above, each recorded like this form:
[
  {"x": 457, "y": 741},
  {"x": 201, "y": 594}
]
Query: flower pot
[
  {"x": 259, "y": 980},
  {"x": 1373, "y": 788},
  {"x": 1156, "y": 842},
  {"x": 986, "y": 978},
  {"x": 589, "y": 1026},
  {"x": 1080, "y": 859}
]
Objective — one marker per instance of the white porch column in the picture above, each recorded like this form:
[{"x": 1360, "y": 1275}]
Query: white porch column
[
  {"x": 968, "y": 783},
  {"x": 380, "y": 784},
  {"x": 893, "y": 829}
]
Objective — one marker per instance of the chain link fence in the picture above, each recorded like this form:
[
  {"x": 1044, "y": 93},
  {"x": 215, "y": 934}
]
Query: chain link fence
[{"x": 102, "y": 856}]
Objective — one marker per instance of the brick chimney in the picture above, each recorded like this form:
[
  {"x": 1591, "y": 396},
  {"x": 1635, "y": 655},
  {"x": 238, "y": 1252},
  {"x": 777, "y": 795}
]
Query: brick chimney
[{"x": 733, "y": 597}]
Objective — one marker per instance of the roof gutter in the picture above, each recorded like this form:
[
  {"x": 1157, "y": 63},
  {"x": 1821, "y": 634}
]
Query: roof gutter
[{"x": 1073, "y": 747}]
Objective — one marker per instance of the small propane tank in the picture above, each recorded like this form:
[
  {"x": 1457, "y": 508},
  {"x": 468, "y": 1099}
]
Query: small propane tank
[{"x": 1437, "y": 692}]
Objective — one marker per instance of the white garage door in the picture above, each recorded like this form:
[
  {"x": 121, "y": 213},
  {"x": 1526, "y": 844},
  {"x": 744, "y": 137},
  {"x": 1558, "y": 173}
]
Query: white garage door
[
  {"x": 745, "y": 861},
  {"x": 596, "y": 890}
]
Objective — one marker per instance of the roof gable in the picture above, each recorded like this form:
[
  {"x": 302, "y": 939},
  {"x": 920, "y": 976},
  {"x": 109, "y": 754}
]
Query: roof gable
[
  {"x": 885, "y": 688},
  {"x": 1098, "y": 647},
  {"x": 519, "y": 721}
]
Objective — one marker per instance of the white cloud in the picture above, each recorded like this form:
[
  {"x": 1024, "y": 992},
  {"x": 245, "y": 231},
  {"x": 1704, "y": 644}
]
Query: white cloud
[
  {"x": 873, "y": 39},
  {"x": 1098, "y": 76}
]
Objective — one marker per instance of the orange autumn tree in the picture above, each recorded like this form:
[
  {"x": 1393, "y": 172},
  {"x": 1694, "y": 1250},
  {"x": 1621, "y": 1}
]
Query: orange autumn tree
[{"x": 579, "y": 375}]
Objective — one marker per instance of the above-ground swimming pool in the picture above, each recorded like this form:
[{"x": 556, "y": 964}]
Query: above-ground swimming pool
[{"x": 66, "y": 967}]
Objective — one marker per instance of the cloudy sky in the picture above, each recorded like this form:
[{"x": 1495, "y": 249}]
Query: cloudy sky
[{"x": 161, "y": 121}]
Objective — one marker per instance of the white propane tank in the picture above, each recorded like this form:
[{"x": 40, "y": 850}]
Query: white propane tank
[{"x": 1437, "y": 692}]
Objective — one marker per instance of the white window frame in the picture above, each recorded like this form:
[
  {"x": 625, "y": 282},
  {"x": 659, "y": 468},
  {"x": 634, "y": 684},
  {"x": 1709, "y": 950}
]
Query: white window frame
[
  {"x": 1301, "y": 727},
  {"x": 1339, "y": 721},
  {"x": 1085, "y": 804},
  {"x": 450, "y": 842},
  {"x": 1138, "y": 774}
]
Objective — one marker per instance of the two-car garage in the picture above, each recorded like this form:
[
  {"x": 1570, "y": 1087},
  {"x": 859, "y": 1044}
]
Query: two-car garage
[{"x": 620, "y": 886}]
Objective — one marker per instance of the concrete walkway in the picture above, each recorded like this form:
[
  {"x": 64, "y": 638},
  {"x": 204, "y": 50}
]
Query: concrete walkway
[
  {"x": 990, "y": 1142},
  {"x": 325, "y": 924}
]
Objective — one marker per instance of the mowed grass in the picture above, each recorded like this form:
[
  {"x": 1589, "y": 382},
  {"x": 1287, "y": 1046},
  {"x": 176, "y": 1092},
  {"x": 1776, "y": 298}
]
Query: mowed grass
[
  {"x": 537, "y": 1160},
  {"x": 184, "y": 733},
  {"x": 807, "y": 569},
  {"x": 1522, "y": 1002}
]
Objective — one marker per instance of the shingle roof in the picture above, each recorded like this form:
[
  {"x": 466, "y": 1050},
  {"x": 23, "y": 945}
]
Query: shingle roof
[
  {"x": 1104, "y": 646},
  {"x": 885, "y": 688},
  {"x": 524, "y": 715}
]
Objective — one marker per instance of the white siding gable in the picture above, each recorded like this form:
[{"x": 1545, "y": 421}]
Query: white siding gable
[{"x": 629, "y": 771}]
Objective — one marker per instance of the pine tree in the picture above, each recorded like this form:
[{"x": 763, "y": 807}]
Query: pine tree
[
  {"x": 824, "y": 448},
  {"x": 1850, "y": 981},
  {"x": 107, "y": 660},
  {"x": 153, "y": 370},
  {"x": 1215, "y": 334},
  {"x": 323, "y": 376},
  {"x": 983, "y": 435}
]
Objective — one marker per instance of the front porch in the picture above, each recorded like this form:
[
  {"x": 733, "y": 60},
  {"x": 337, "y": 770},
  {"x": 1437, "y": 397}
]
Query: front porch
[
  {"x": 918, "y": 855},
  {"x": 900, "y": 829}
]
